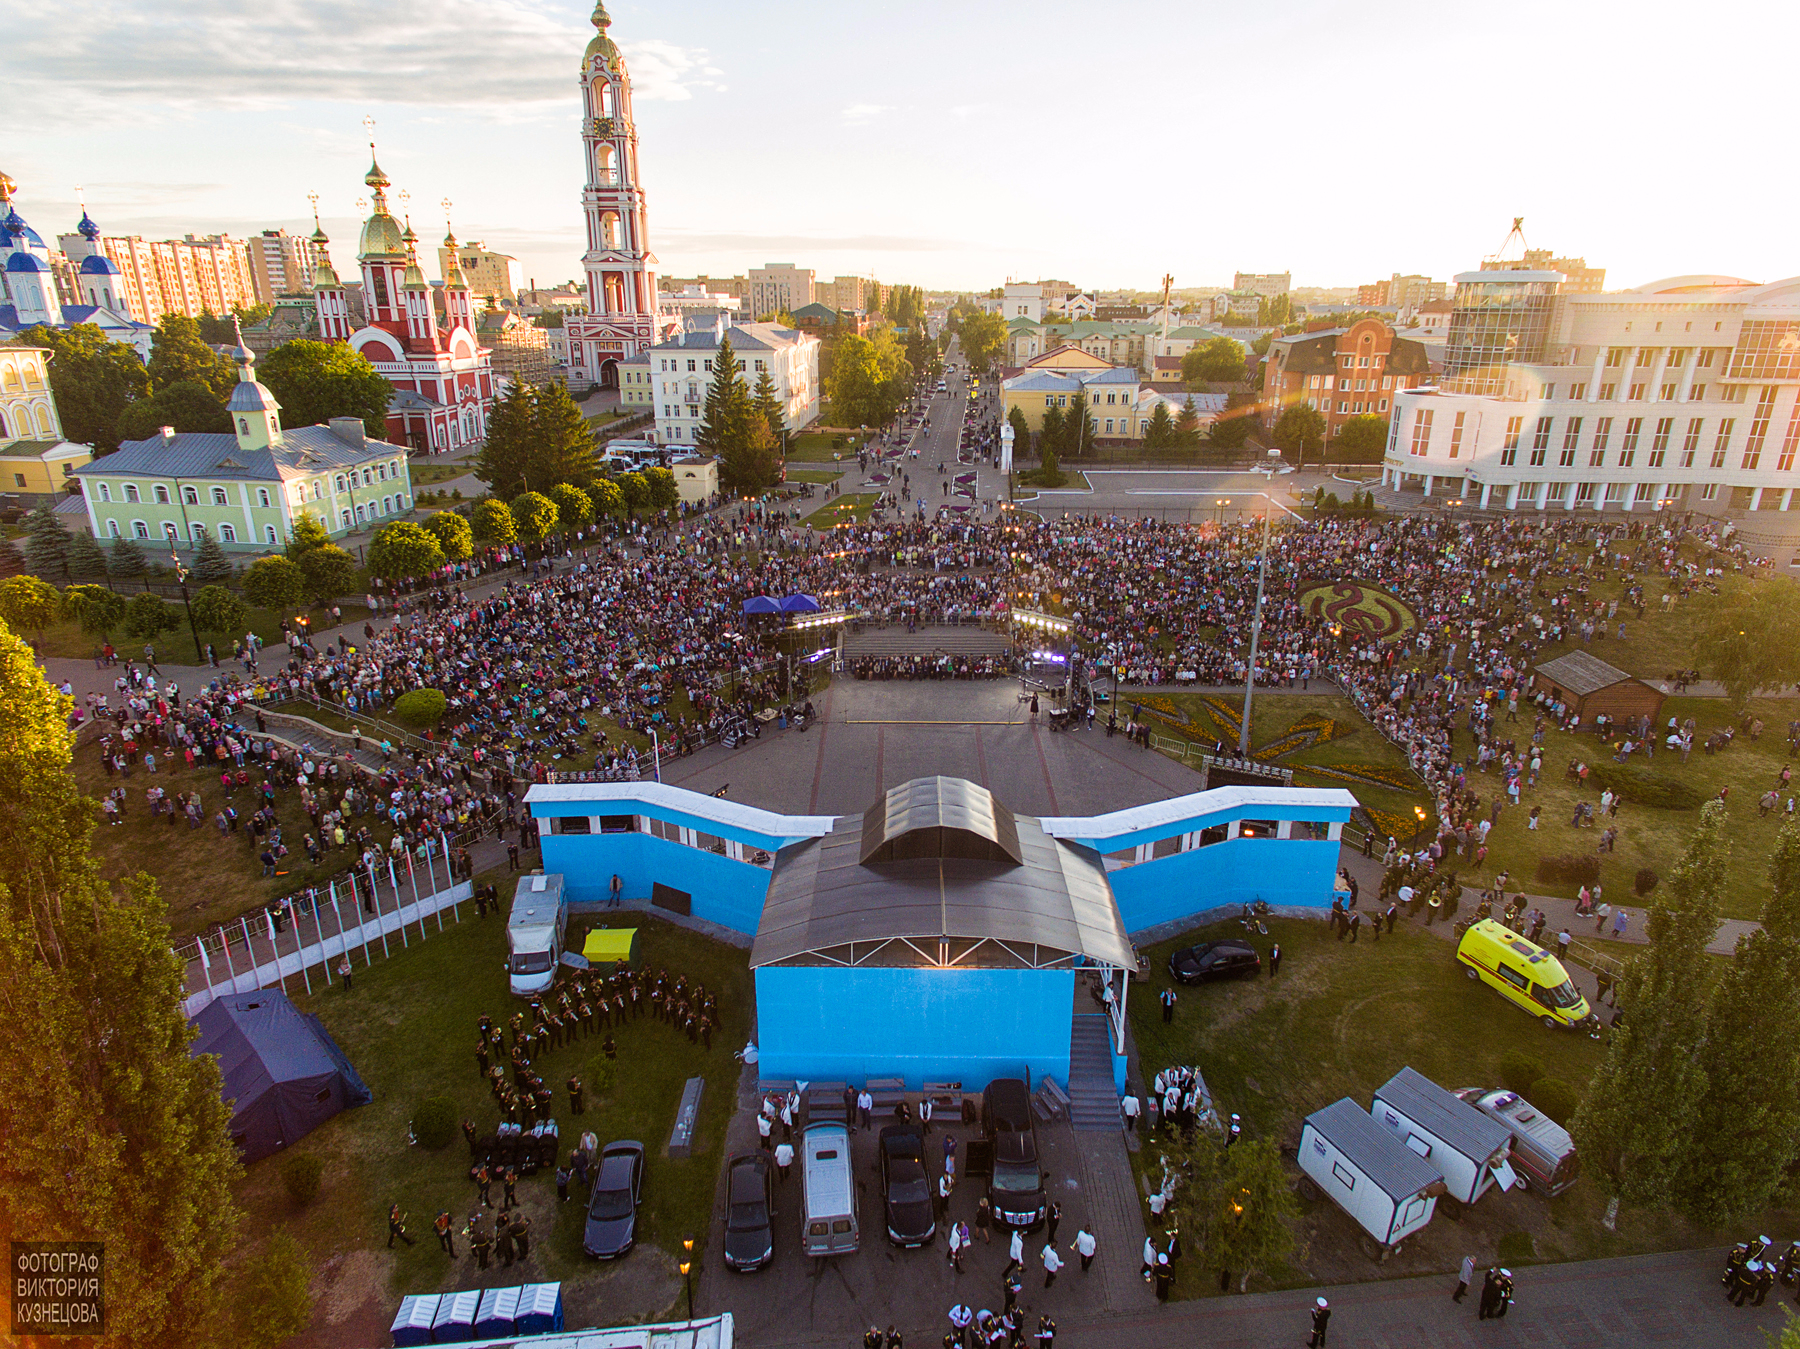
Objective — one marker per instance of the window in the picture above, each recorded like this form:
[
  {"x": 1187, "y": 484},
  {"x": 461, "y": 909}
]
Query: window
[
  {"x": 1608, "y": 392},
  {"x": 1615, "y": 356},
  {"x": 1759, "y": 426},
  {"x": 1722, "y": 443},
  {"x": 1767, "y": 349},
  {"x": 1596, "y": 458},
  {"x": 1421, "y": 432},
  {"x": 1602, "y": 432},
  {"x": 338, "y": 483},
  {"x": 1540, "y": 436},
  {"x": 1790, "y": 441},
  {"x": 1705, "y": 359},
  {"x": 112, "y": 528},
  {"x": 1697, "y": 394},
  {"x": 1577, "y": 392},
  {"x": 197, "y": 529},
  {"x": 1659, "y": 442},
  {"x": 191, "y": 495},
  {"x": 393, "y": 468},
  {"x": 1546, "y": 391},
  {"x": 1313, "y": 831},
  {"x": 1342, "y": 1176},
  {"x": 1343, "y": 386},
  {"x": 140, "y": 529},
  {"x": 227, "y": 534},
  {"x": 1256, "y": 829},
  {"x": 1537, "y": 459},
  {"x": 1456, "y": 435},
  {"x": 1709, "y": 491},
  {"x": 1666, "y": 394},
  {"x": 1633, "y": 426},
  {"x": 131, "y": 491},
  {"x": 1572, "y": 433},
  {"x": 219, "y": 498},
  {"x": 1637, "y": 393},
  {"x": 381, "y": 471},
  {"x": 105, "y": 492},
  {"x": 1691, "y": 442},
  {"x": 571, "y": 824},
  {"x": 1647, "y": 355},
  {"x": 1515, "y": 427},
  {"x": 269, "y": 534}
]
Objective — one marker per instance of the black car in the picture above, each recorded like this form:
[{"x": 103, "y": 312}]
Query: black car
[
  {"x": 749, "y": 1226},
  {"x": 906, "y": 1186},
  {"x": 1228, "y": 959},
  {"x": 612, "y": 1209}
]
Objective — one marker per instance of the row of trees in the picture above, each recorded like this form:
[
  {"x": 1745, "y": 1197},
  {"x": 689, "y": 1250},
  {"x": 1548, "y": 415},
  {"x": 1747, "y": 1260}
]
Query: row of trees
[{"x": 743, "y": 426}]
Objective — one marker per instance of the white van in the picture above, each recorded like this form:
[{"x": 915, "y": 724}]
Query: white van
[
  {"x": 828, "y": 1226},
  {"x": 1469, "y": 1148},
  {"x": 1387, "y": 1188},
  {"x": 535, "y": 932}
]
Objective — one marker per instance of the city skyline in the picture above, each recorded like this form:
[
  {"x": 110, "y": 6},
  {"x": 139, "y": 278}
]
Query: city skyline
[{"x": 917, "y": 160}]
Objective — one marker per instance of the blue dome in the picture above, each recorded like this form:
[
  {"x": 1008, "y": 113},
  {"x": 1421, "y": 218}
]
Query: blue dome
[
  {"x": 16, "y": 226},
  {"x": 87, "y": 228},
  {"x": 26, "y": 262},
  {"x": 99, "y": 265}
]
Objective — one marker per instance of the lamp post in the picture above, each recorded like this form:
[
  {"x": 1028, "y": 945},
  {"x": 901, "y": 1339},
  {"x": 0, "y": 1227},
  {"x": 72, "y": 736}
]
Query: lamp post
[
  {"x": 687, "y": 1272},
  {"x": 1262, "y": 576},
  {"x": 1419, "y": 829},
  {"x": 181, "y": 575}
]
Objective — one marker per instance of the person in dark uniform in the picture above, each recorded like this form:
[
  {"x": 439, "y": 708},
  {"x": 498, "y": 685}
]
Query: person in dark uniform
[
  {"x": 1167, "y": 998},
  {"x": 468, "y": 1128},
  {"x": 1745, "y": 1282},
  {"x": 509, "y": 1178},
  {"x": 1010, "y": 1284},
  {"x": 520, "y": 1228},
  {"x": 1164, "y": 1276},
  {"x": 446, "y": 1237},
  {"x": 608, "y": 1048},
  {"x": 1321, "y": 1318},
  {"x": 503, "y": 1243},
  {"x": 1489, "y": 1286},
  {"x": 481, "y": 1241},
  {"x": 872, "y": 1338},
  {"x": 396, "y": 1226},
  {"x": 481, "y": 1054},
  {"x": 575, "y": 1096},
  {"x": 1054, "y": 1217},
  {"x": 1503, "y": 1289}
]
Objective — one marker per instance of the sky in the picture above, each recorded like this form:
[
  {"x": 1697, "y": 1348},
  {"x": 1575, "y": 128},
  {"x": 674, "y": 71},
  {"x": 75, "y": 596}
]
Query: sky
[{"x": 950, "y": 145}]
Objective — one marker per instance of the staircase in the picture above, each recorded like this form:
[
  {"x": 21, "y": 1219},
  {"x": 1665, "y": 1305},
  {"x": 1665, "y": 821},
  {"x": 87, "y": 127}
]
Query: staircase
[
  {"x": 926, "y": 641},
  {"x": 1093, "y": 1100}
]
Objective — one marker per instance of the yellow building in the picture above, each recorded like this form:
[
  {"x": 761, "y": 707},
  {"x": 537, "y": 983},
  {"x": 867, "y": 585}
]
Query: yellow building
[
  {"x": 1053, "y": 379},
  {"x": 696, "y": 479},
  {"x": 634, "y": 383},
  {"x": 38, "y": 462}
]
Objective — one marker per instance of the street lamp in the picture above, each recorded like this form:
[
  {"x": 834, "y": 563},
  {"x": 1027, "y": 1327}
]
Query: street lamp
[
  {"x": 181, "y": 575},
  {"x": 687, "y": 1272},
  {"x": 1419, "y": 830},
  {"x": 1262, "y": 576}
]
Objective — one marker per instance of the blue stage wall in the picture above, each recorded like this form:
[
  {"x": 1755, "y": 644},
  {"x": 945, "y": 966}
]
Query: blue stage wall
[
  {"x": 833, "y": 1023},
  {"x": 724, "y": 891},
  {"x": 1286, "y": 873}
]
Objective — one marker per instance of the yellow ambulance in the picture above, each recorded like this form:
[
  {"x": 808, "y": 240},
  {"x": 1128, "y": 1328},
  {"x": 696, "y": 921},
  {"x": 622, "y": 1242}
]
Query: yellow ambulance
[{"x": 1524, "y": 973}]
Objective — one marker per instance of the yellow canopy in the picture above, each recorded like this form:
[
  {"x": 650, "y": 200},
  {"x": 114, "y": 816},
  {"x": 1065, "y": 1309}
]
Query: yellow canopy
[{"x": 609, "y": 944}]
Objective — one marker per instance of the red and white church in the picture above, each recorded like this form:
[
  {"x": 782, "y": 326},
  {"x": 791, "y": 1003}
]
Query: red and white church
[{"x": 443, "y": 378}]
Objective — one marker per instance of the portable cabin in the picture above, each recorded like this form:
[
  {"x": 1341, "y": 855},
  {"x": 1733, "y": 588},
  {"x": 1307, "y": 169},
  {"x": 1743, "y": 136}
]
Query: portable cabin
[
  {"x": 1469, "y": 1149},
  {"x": 540, "y": 1309},
  {"x": 497, "y": 1316},
  {"x": 1389, "y": 1190},
  {"x": 412, "y": 1323},
  {"x": 455, "y": 1319}
]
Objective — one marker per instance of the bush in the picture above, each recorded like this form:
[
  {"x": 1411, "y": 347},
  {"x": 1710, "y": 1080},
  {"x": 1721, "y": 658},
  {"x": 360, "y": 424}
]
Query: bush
[
  {"x": 1569, "y": 868},
  {"x": 276, "y": 1303},
  {"x": 434, "y": 1123},
  {"x": 1556, "y": 1098},
  {"x": 300, "y": 1172},
  {"x": 1645, "y": 787},
  {"x": 1645, "y": 881},
  {"x": 1518, "y": 1071},
  {"x": 421, "y": 707},
  {"x": 601, "y": 1076}
]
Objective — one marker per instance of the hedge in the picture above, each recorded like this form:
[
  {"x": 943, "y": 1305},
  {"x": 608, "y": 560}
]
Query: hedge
[
  {"x": 1556, "y": 1098},
  {"x": 1519, "y": 1071},
  {"x": 1569, "y": 868},
  {"x": 1646, "y": 787},
  {"x": 434, "y": 1124},
  {"x": 421, "y": 707}
]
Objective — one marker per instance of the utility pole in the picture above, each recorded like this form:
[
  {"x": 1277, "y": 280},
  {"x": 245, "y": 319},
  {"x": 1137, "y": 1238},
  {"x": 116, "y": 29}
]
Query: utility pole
[{"x": 1262, "y": 576}]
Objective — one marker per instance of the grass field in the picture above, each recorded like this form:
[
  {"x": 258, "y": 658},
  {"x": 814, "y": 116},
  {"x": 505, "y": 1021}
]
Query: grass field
[
  {"x": 66, "y": 638},
  {"x": 408, "y": 1025},
  {"x": 814, "y": 475},
  {"x": 844, "y": 510},
  {"x": 425, "y": 475},
  {"x": 815, "y": 447}
]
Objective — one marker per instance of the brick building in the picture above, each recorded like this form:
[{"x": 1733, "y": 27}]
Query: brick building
[{"x": 1343, "y": 372}]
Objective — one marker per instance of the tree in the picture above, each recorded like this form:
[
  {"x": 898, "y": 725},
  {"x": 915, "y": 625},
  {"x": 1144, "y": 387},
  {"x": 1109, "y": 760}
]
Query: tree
[
  {"x": 565, "y": 444},
  {"x": 606, "y": 497},
  {"x": 1078, "y": 427},
  {"x": 402, "y": 550},
  {"x": 1160, "y": 434},
  {"x": 146, "y": 616},
  {"x": 28, "y": 604},
  {"x": 211, "y": 566},
  {"x": 1252, "y": 1232},
  {"x": 983, "y": 336},
  {"x": 1299, "y": 428},
  {"x": 659, "y": 483},
  {"x": 276, "y": 1302},
  {"x": 1640, "y": 1110},
  {"x": 1752, "y": 642},
  {"x": 453, "y": 535},
  {"x": 274, "y": 583},
  {"x": 316, "y": 381},
  {"x": 216, "y": 609},
  {"x": 87, "y": 562},
  {"x": 46, "y": 544},
  {"x": 1217, "y": 361},
  {"x": 573, "y": 509},
  {"x": 1050, "y": 431},
  {"x": 766, "y": 405},
  {"x": 126, "y": 560},
  {"x": 535, "y": 516},
  {"x": 1363, "y": 440},
  {"x": 493, "y": 523},
  {"x": 308, "y": 533},
  {"x": 1021, "y": 428},
  {"x": 100, "y": 1084},
  {"x": 187, "y": 406},
  {"x": 1230, "y": 431},
  {"x": 1187, "y": 425},
  {"x": 869, "y": 380},
  {"x": 753, "y": 465},
  {"x": 635, "y": 491},
  {"x": 506, "y": 458},
  {"x": 330, "y": 572},
  {"x": 1747, "y": 1122},
  {"x": 179, "y": 355},
  {"x": 93, "y": 379},
  {"x": 725, "y": 420},
  {"x": 96, "y": 608}
]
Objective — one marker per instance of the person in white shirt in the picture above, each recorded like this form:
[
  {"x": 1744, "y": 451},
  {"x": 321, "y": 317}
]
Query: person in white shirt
[
  {"x": 1016, "y": 1247},
  {"x": 764, "y": 1128},
  {"x": 1130, "y": 1106},
  {"x": 1084, "y": 1245},
  {"x": 784, "y": 1158},
  {"x": 1052, "y": 1263}
]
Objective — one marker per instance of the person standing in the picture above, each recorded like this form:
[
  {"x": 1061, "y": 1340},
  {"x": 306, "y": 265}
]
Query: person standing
[
  {"x": 960, "y": 1318},
  {"x": 397, "y": 1226},
  {"x": 1490, "y": 1284},
  {"x": 481, "y": 1241},
  {"x": 1053, "y": 1263},
  {"x": 446, "y": 1238},
  {"x": 617, "y": 891},
  {"x": 1463, "y": 1278},
  {"x": 521, "y": 1233},
  {"x": 1503, "y": 1288},
  {"x": 784, "y": 1160},
  {"x": 1129, "y": 1106},
  {"x": 1321, "y": 1318},
  {"x": 865, "y": 1107},
  {"x": 1015, "y": 1248},
  {"x": 984, "y": 1221},
  {"x": 1164, "y": 1277},
  {"x": 1275, "y": 960},
  {"x": 503, "y": 1242},
  {"x": 956, "y": 1250},
  {"x": 344, "y": 972},
  {"x": 1053, "y": 1217},
  {"x": 1085, "y": 1246}
]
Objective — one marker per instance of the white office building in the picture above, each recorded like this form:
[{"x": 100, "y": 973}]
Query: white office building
[
  {"x": 780, "y": 286},
  {"x": 682, "y": 371},
  {"x": 1678, "y": 395}
]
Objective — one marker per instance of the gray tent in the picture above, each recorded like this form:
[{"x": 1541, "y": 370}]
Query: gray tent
[{"x": 281, "y": 1069}]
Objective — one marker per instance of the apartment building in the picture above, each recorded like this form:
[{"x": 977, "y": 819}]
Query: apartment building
[{"x": 780, "y": 286}]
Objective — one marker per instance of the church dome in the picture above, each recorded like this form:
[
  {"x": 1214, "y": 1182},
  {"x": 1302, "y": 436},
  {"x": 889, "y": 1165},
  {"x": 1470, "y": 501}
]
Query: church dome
[
  {"x": 26, "y": 262},
  {"x": 602, "y": 46},
  {"x": 87, "y": 229},
  {"x": 99, "y": 265},
  {"x": 249, "y": 396},
  {"x": 21, "y": 232},
  {"x": 381, "y": 236}
]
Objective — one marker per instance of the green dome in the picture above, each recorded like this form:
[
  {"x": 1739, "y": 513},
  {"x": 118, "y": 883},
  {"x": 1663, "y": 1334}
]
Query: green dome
[{"x": 381, "y": 237}]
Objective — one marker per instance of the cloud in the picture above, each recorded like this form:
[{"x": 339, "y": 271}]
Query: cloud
[
  {"x": 860, "y": 114},
  {"x": 186, "y": 54}
]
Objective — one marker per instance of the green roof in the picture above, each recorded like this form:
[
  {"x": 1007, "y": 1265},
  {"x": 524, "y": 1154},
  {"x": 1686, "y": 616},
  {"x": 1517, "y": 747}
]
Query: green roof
[{"x": 35, "y": 449}]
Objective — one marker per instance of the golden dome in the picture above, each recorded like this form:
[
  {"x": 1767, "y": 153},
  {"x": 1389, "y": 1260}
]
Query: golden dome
[{"x": 381, "y": 236}]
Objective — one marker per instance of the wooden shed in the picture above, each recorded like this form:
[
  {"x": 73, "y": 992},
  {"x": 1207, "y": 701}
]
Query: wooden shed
[{"x": 1590, "y": 686}]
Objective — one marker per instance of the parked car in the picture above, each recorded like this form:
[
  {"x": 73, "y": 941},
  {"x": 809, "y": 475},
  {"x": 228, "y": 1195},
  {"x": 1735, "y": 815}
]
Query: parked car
[
  {"x": 612, "y": 1209},
  {"x": 1016, "y": 1181},
  {"x": 1543, "y": 1154},
  {"x": 749, "y": 1220},
  {"x": 1526, "y": 975},
  {"x": 906, "y": 1186},
  {"x": 1227, "y": 959}
]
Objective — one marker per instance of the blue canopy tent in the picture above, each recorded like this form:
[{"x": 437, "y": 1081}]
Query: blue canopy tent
[
  {"x": 800, "y": 604},
  {"x": 762, "y": 604}
]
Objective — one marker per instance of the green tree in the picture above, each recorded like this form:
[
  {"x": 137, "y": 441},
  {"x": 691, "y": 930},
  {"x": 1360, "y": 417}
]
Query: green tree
[
  {"x": 126, "y": 560},
  {"x": 564, "y": 442},
  {"x": 1050, "y": 431},
  {"x": 1363, "y": 440},
  {"x": 187, "y": 406},
  {"x": 725, "y": 420},
  {"x": 211, "y": 566},
  {"x": 493, "y": 522},
  {"x": 308, "y": 533},
  {"x": 1260, "y": 347},
  {"x": 178, "y": 355},
  {"x": 1637, "y": 1120},
  {"x": 1230, "y": 430},
  {"x": 274, "y": 583},
  {"x": 766, "y": 405},
  {"x": 534, "y": 514},
  {"x": 1747, "y": 1122},
  {"x": 507, "y": 457},
  {"x": 1219, "y": 360},
  {"x": 100, "y": 1084},
  {"x": 453, "y": 535},
  {"x": 276, "y": 1300},
  {"x": 1078, "y": 427},
  {"x": 608, "y": 500},
  {"x": 28, "y": 604},
  {"x": 402, "y": 550},
  {"x": 573, "y": 508},
  {"x": 316, "y": 381},
  {"x": 1160, "y": 434},
  {"x": 1751, "y": 642},
  {"x": 330, "y": 572},
  {"x": 148, "y": 617},
  {"x": 1253, "y": 1231},
  {"x": 983, "y": 337},
  {"x": 635, "y": 491},
  {"x": 1300, "y": 427},
  {"x": 94, "y": 380},
  {"x": 659, "y": 483},
  {"x": 217, "y": 610},
  {"x": 87, "y": 561},
  {"x": 96, "y": 608},
  {"x": 1187, "y": 425},
  {"x": 46, "y": 544},
  {"x": 752, "y": 466}
]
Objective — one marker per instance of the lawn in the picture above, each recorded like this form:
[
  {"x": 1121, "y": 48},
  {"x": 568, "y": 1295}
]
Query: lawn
[
  {"x": 66, "y": 638},
  {"x": 815, "y": 447},
  {"x": 814, "y": 475},
  {"x": 424, "y": 475},
  {"x": 853, "y": 508},
  {"x": 409, "y": 1027}
]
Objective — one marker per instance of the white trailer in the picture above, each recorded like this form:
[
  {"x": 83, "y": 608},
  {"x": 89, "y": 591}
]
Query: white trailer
[
  {"x": 1387, "y": 1188},
  {"x": 534, "y": 933},
  {"x": 1470, "y": 1149}
]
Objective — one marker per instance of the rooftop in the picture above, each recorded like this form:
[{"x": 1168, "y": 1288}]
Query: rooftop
[{"x": 1582, "y": 674}]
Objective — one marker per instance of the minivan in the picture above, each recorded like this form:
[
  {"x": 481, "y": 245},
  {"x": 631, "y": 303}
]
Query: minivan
[
  {"x": 1525, "y": 974},
  {"x": 828, "y": 1226},
  {"x": 1016, "y": 1185},
  {"x": 1543, "y": 1154}
]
